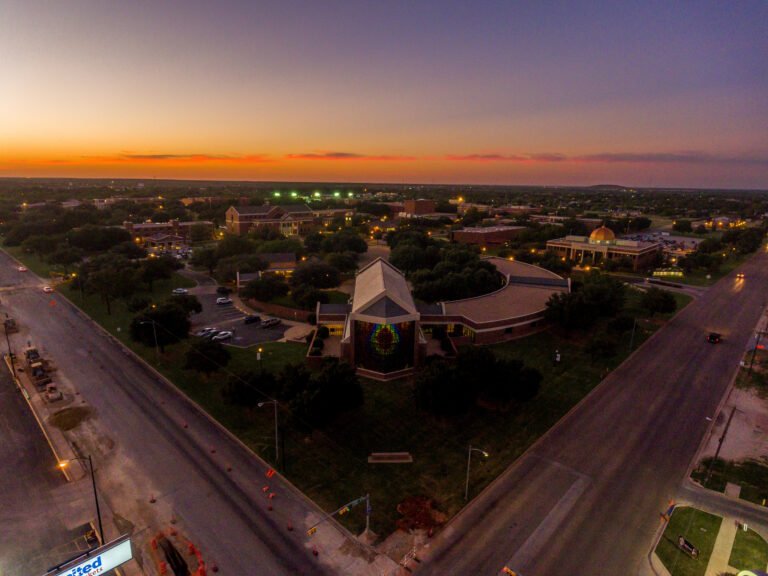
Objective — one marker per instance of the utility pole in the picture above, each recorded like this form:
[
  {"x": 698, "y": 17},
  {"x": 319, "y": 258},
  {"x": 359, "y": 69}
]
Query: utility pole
[{"x": 10, "y": 352}]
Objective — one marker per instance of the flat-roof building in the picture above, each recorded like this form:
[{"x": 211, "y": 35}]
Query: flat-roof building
[
  {"x": 489, "y": 236},
  {"x": 603, "y": 245}
]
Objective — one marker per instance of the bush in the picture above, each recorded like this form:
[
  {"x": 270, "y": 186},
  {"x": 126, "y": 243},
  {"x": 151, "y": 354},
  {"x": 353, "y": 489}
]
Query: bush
[
  {"x": 621, "y": 324},
  {"x": 323, "y": 332}
]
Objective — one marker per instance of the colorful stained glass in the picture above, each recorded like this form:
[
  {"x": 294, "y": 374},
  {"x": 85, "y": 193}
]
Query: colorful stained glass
[{"x": 384, "y": 339}]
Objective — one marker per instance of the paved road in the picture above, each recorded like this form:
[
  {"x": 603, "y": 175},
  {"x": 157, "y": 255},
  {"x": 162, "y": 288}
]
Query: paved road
[
  {"x": 33, "y": 534},
  {"x": 586, "y": 498},
  {"x": 147, "y": 442}
]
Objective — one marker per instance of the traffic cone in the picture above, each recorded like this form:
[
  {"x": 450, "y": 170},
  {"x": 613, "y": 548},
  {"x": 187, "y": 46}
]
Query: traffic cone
[
  {"x": 152, "y": 499},
  {"x": 290, "y": 527}
]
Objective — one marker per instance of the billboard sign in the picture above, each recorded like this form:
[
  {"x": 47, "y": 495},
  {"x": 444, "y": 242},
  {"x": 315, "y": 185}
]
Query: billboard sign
[{"x": 98, "y": 561}]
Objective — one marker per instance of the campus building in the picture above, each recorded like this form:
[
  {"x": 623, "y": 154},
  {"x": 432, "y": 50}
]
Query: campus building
[
  {"x": 172, "y": 233},
  {"x": 488, "y": 236},
  {"x": 288, "y": 220},
  {"x": 385, "y": 335},
  {"x": 602, "y": 245}
]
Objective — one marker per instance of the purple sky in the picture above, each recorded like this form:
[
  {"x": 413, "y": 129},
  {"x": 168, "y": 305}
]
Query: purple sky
[{"x": 645, "y": 93}]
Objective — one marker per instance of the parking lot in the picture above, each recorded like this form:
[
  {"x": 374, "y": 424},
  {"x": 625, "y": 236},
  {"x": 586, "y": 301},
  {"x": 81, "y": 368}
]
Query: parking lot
[{"x": 229, "y": 317}]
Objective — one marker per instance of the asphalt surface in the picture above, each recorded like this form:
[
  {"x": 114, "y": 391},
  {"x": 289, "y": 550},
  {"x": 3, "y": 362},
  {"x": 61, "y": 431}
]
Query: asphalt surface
[
  {"x": 33, "y": 534},
  {"x": 149, "y": 442},
  {"x": 586, "y": 498}
]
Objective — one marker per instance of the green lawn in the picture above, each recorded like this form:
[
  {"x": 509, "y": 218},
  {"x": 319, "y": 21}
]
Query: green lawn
[
  {"x": 700, "y": 529},
  {"x": 749, "y": 552},
  {"x": 331, "y": 467},
  {"x": 38, "y": 266}
]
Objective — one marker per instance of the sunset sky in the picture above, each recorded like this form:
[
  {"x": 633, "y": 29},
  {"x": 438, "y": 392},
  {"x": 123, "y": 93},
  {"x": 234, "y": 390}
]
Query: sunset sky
[{"x": 637, "y": 93}]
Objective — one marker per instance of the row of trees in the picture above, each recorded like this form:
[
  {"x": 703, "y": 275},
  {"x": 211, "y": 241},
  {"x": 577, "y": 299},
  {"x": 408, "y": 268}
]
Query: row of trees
[
  {"x": 113, "y": 276},
  {"x": 305, "y": 286},
  {"x": 440, "y": 271}
]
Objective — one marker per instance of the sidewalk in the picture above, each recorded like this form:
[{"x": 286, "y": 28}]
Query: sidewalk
[{"x": 721, "y": 553}]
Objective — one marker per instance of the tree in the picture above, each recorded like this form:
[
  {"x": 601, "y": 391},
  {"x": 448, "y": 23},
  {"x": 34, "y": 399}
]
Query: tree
[
  {"x": 187, "y": 302},
  {"x": 92, "y": 238},
  {"x": 129, "y": 250},
  {"x": 344, "y": 241},
  {"x": 66, "y": 257},
  {"x": 682, "y": 226},
  {"x": 265, "y": 288},
  {"x": 200, "y": 232},
  {"x": 307, "y": 297},
  {"x": 440, "y": 391},
  {"x": 249, "y": 388},
  {"x": 227, "y": 268},
  {"x": 170, "y": 325},
  {"x": 657, "y": 300},
  {"x": 40, "y": 245},
  {"x": 112, "y": 278},
  {"x": 334, "y": 390},
  {"x": 205, "y": 258},
  {"x": 316, "y": 274},
  {"x": 153, "y": 269},
  {"x": 206, "y": 356},
  {"x": 313, "y": 242},
  {"x": 232, "y": 245},
  {"x": 343, "y": 261}
]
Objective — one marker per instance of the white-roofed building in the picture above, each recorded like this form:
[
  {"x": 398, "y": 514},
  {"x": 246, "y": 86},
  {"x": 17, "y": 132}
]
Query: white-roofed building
[{"x": 381, "y": 334}]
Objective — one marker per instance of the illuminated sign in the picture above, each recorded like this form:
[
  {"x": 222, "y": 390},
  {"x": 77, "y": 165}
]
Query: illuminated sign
[{"x": 99, "y": 561}]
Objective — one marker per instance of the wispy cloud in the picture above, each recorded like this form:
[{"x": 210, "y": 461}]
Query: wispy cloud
[
  {"x": 193, "y": 158},
  {"x": 347, "y": 156},
  {"x": 684, "y": 157}
]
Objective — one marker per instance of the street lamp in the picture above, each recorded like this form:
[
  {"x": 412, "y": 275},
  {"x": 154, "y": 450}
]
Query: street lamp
[
  {"x": 277, "y": 452},
  {"x": 154, "y": 332},
  {"x": 63, "y": 464},
  {"x": 469, "y": 462}
]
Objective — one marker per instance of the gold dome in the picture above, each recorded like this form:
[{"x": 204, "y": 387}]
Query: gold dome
[{"x": 602, "y": 235}]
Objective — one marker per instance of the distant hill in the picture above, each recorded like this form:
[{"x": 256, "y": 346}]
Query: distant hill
[{"x": 607, "y": 187}]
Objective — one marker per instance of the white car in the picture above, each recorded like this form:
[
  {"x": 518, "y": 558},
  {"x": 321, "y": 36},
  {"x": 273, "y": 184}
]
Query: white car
[
  {"x": 179, "y": 291},
  {"x": 21, "y": 269},
  {"x": 223, "y": 301},
  {"x": 47, "y": 289},
  {"x": 224, "y": 335},
  {"x": 206, "y": 331}
]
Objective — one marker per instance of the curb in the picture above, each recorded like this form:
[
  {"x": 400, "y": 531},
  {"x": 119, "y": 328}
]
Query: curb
[{"x": 197, "y": 408}]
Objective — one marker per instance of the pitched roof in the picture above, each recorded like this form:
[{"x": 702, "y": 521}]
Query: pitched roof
[{"x": 381, "y": 280}]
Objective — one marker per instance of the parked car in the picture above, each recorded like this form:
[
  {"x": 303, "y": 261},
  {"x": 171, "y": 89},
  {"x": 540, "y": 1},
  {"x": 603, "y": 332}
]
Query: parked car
[
  {"x": 21, "y": 269},
  {"x": 251, "y": 319},
  {"x": 223, "y": 301},
  {"x": 714, "y": 338},
  {"x": 179, "y": 291},
  {"x": 223, "y": 290},
  {"x": 206, "y": 331},
  {"x": 269, "y": 322},
  {"x": 223, "y": 335},
  {"x": 47, "y": 289}
]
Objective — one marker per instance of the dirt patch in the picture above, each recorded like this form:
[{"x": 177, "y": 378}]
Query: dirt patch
[
  {"x": 419, "y": 513},
  {"x": 70, "y": 418}
]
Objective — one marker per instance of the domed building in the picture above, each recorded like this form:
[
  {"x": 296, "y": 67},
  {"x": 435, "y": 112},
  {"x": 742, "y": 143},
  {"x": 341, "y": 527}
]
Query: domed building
[
  {"x": 602, "y": 235},
  {"x": 602, "y": 245}
]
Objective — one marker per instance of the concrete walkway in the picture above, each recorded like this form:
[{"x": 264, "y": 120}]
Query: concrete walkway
[{"x": 721, "y": 553}]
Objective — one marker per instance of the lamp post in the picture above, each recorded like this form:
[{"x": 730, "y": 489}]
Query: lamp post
[
  {"x": 63, "y": 464},
  {"x": 469, "y": 462},
  {"x": 154, "y": 332},
  {"x": 10, "y": 352},
  {"x": 277, "y": 452}
]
